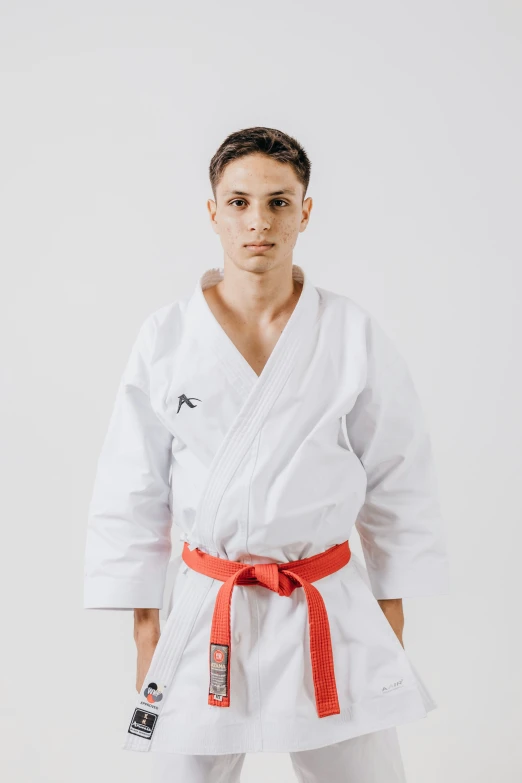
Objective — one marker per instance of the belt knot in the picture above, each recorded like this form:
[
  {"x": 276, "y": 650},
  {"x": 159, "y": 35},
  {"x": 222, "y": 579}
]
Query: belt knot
[
  {"x": 271, "y": 576},
  {"x": 267, "y": 574}
]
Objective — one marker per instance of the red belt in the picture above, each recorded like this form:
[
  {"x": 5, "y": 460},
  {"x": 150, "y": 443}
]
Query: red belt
[{"x": 282, "y": 578}]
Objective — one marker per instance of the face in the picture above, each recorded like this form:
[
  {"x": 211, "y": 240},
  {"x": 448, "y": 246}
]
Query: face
[{"x": 259, "y": 199}]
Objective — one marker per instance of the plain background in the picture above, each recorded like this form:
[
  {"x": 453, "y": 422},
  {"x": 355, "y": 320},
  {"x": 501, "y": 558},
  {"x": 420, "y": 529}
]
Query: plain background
[{"x": 110, "y": 114}]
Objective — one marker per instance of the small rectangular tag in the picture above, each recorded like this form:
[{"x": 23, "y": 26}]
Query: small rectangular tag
[
  {"x": 142, "y": 723},
  {"x": 218, "y": 670}
]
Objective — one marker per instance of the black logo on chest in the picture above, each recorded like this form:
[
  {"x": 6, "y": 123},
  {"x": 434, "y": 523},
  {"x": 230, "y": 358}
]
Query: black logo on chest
[{"x": 182, "y": 398}]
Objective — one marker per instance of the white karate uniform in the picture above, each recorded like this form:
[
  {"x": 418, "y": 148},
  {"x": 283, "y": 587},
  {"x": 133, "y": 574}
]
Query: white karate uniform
[{"x": 267, "y": 469}]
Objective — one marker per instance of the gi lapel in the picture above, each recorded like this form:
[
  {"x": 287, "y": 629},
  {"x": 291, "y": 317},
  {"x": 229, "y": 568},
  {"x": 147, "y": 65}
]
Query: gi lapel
[
  {"x": 264, "y": 390},
  {"x": 165, "y": 661}
]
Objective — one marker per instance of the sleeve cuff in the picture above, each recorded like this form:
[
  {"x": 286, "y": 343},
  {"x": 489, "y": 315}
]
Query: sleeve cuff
[
  {"x": 410, "y": 583},
  {"x": 109, "y": 593}
]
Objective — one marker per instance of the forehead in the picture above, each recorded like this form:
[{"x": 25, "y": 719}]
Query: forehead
[{"x": 259, "y": 173}]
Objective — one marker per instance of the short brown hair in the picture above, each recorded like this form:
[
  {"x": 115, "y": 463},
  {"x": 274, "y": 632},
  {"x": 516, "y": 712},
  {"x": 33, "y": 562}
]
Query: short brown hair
[{"x": 269, "y": 141}]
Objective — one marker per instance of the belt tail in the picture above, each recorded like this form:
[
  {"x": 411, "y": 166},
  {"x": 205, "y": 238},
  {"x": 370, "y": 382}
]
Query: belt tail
[
  {"x": 326, "y": 698},
  {"x": 221, "y": 645}
]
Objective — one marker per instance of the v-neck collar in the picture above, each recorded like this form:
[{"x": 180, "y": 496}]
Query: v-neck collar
[{"x": 231, "y": 354}]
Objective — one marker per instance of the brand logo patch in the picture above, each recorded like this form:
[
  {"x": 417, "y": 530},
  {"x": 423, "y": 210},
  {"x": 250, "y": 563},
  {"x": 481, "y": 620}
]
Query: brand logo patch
[
  {"x": 142, "y": 723},
  {"x": 153, "y": 693},
  {"x": 182, "y": 398}
]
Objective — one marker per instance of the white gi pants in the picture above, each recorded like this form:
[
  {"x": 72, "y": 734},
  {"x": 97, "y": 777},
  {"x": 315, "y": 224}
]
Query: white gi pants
[{"x": 368, "y": 758}]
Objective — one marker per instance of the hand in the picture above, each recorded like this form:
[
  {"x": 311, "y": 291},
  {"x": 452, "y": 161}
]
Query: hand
[
  {"x": 146, "y": 636},
  {"x": 393, "y": 611}
]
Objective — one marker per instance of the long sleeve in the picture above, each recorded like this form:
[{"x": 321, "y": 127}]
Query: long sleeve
[
  {"x": 128, "y": 542},
  {"x": 400, "y": 524}
]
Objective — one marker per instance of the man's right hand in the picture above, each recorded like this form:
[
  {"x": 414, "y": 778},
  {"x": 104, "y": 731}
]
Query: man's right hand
[{"x": 146, "y": 636}]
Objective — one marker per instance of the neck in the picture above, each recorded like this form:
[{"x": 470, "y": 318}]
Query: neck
[{"x": 258, "y": 295}]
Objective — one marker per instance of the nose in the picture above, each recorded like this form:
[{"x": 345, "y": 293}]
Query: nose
[{"x": 259, "y": 220}]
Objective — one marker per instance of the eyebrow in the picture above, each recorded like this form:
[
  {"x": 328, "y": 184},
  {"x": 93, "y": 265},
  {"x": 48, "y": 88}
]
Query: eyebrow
[{"x": 274, "y": 193}]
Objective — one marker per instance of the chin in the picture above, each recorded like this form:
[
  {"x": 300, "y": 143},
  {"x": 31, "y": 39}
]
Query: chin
[{"x": 252, "y": 263}]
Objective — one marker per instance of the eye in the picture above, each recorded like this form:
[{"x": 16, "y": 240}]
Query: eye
[{"x": 276, "y": 199}]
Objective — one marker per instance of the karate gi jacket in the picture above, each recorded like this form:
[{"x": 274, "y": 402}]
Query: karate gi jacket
[{"x": 266, "y": 469}]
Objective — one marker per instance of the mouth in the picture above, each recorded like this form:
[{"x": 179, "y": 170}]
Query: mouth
[{"x": 259, "y": 248}]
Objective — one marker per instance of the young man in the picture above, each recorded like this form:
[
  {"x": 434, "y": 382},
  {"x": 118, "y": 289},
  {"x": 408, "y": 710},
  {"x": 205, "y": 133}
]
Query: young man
[{"x": 266, "y": 417}]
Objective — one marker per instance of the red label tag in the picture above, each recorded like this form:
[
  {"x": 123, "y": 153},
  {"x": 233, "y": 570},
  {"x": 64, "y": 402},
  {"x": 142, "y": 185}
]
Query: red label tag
[{"x": 218, "y": 670}]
